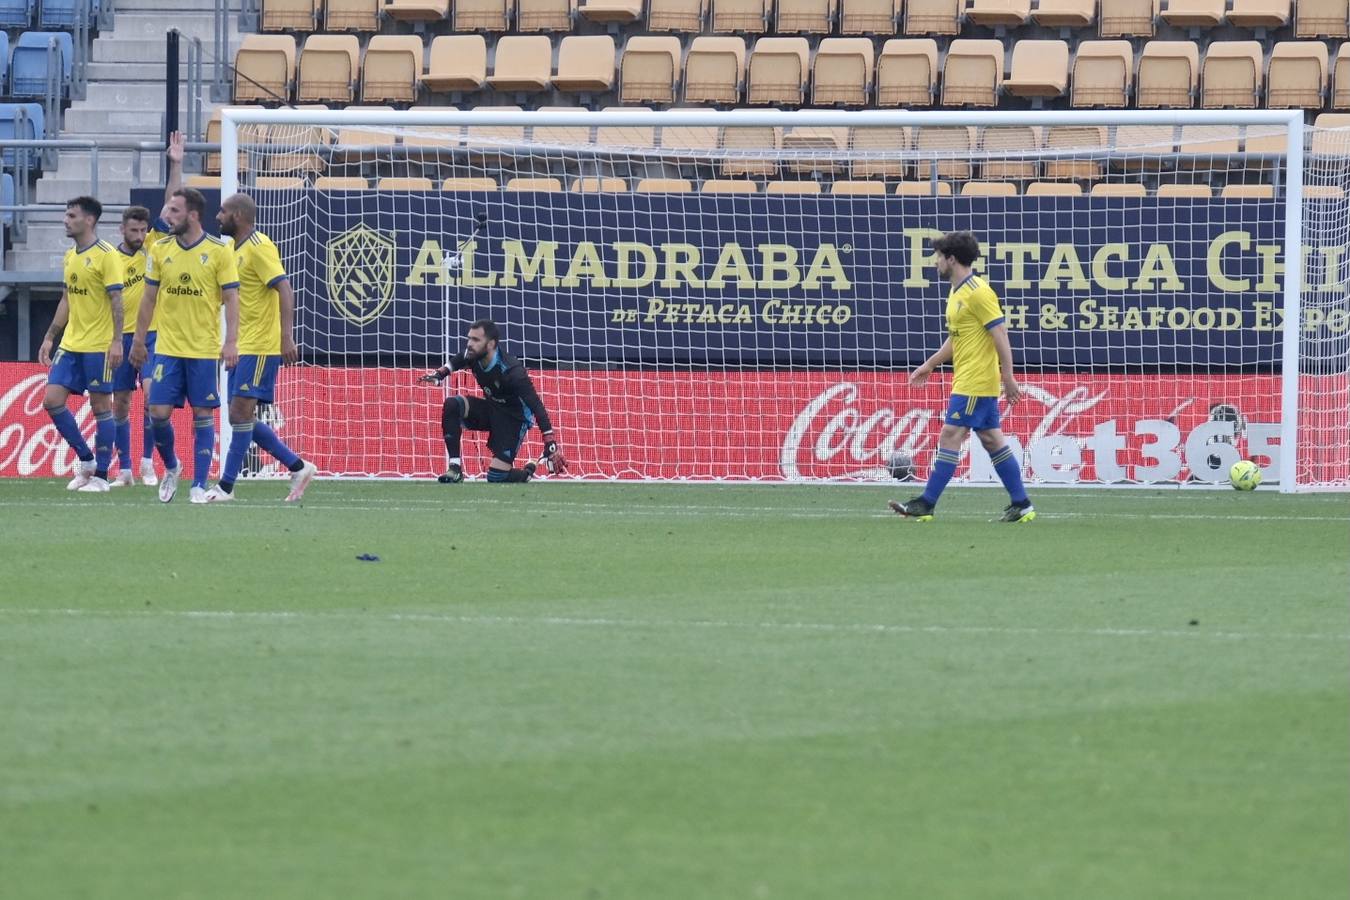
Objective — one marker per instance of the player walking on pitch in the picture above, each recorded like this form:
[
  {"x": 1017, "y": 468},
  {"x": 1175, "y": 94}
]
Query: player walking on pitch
[
  {"x": 981, "y": 357},
  {"x": 88, "y": 321},
  {"x": 508, "y": 407},
  {"x": 195, "y": 273},
  {"x": 266, "y": 323}
]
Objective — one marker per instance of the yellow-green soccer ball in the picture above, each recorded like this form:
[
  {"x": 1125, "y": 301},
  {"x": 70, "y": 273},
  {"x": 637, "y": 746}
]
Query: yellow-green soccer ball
[{"x": 1245, "y": 475}]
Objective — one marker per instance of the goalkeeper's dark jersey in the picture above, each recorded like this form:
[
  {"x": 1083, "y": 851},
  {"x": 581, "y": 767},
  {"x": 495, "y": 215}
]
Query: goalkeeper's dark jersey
[{"x": 507, "y": 385}]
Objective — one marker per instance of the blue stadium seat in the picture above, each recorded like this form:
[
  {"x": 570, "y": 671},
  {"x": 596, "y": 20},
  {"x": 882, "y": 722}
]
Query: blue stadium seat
[
  {"x": 16, "y": 13},
  {"x": 28, "y": 71},
  {"x": 62, "y": 13},
  {"x": 7, "y": 196},
  {"x": 21, "y": 122}
]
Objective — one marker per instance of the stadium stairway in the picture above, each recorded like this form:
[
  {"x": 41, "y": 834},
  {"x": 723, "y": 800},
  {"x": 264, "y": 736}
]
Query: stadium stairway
[{"x": 124, "y": 101}]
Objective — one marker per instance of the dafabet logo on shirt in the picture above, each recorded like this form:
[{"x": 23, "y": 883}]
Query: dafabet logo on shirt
[{"x": 361, "y": 273}]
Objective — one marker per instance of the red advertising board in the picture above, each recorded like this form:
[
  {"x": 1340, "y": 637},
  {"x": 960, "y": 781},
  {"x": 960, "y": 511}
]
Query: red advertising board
[{"x": 765, "y": 425}]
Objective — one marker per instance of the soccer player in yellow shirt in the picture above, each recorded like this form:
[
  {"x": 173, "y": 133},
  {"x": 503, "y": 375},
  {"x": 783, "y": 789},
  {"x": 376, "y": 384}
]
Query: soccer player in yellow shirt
[
  {"x": 266, "y": 322},
  {"x": 138, "y": 235},
  {"x": 193, "y": 274},
  {"x": 89, "y": 323},
  {"x": 981, "y": 356}
]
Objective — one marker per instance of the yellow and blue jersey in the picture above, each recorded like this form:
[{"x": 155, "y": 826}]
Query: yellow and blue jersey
[
  {"x": 91, "y": 275},
  {"x": 133, "y": 287},
  {"x": 973, "y": 309},
  {"x": 260, "y": 272},
  {"x": 190, "y": 281}
]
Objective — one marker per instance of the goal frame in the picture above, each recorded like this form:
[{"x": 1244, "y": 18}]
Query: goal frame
[{"x": 1291, "y": 120}]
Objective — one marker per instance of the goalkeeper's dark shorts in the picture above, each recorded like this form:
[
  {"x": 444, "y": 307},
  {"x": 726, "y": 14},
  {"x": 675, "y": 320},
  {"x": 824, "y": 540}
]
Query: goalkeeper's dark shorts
[{"x": 506, "y": 430}]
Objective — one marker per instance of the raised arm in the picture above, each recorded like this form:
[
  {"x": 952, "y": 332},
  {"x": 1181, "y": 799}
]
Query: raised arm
[{"x": 173, "y": 155}]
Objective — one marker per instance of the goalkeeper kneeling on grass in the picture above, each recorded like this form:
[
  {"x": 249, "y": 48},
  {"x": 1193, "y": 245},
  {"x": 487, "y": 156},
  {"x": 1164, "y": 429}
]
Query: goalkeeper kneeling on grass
[{"x": 507, "y": 409}]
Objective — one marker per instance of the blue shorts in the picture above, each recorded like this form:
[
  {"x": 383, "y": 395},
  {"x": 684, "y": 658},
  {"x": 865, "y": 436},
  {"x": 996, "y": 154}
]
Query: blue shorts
[
  {"x": 176, "y": 377},
  {"x": 255, "y": 376},
  {"x": 79, "y": 372},
  {"x": 978, "y": 413},
  {"x": 127, "y": 376}
]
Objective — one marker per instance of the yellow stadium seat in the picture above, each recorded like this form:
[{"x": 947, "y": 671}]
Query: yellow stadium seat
[
  {"x": 907, "y": 72},
  {"x": 290, "y": 15},
  {"x": 995, "y": 13},
  {"x": 417, "y": 10},
  {"x": 357, "y": 142},
  {"x": 487, "y": 140},
  {"x": 1194, "y": 13},
  {"x": 545, "y": 15},
  {"x": 650, "y": 69},
  {"x": 482, "y": 15},
  {"x": 404, "y": 184},
  {"x": 1199, "y": 144},
  {"x": 869, "y": 17},
  {"x": 1323, "y": 192},
  {"x": 923, "y": 189},
  {"x": 972, "y": 73},
  {"x": 1247, "y": 192},
  {"x": 1321, "y": 18},
  {"x": 1118, "y": 189},
  {"x": 458, "y": 63},
  {"x": 1084, "y": 137},
  {"x": 1231, "y": 75},
  {"x": 989, "y": 189},
  {"x": 628, "y": 137},
  {"x": 859, "y": 187},
  {"x": 330, "y": 65},
  {"x": 1169, "y": 75},
  {"x": 792, "y": 187},
  {"x": 1054, "y": 189},
  {"x": 800, "y": 139},
  {"x": 778, "y": 71},
  {"x": 751, "y": 138},
  {"x": 524, "y": 64},
  {"x": 248, "y": 134},
  {"x": 1039, "y": 69},
  {"x": 1189, "y": 191},
  {"x": 1298, "y": 75},
  {"x": 352, "y": 15},
  {"x": 264, "y": 68},
  {"x": 1328, "y": 143},
  {"x": 934, "y": 16},
  {"x": 561, "y": 134},
  {"x": 1340, "y": 79},
  {"x": 594, "y": 185},
  {"x": 1128, "y": 18},
  {"x": 728, "y": 186},
  {"x": 392, "y": 69},
  {"x": 748, "y": 16},
  {"x": 676, "y": 15},
  {"x": 538, "y": 185},
  {"x": 432, "y": 140},
  {"x": 202, "y": 182},
  {"x": 605, "y": 11},
  {"x": 465, "y": 185},
  {"x": 842, "y": 73},
  {"x": 340, "y": 183},
  {"x": 714, "y": 71},
  {"x": 700, "y": 139},
  {"x": 585, "y": 64},
  {"x": 300, "y": 161},
  {"x": 1259, "y": 13},
  {"x": 664, "y": 186},
  {"x": 1010, "y": 152},
  {"x": 1144, "y": 146},
  {"x": 951, "y": 148},
  {"x": 881, "y": 145},
  {"x": 1103, "y": 74},
  {"x": 804, "y": 16},
  {"x": 1065, "y": 13}
]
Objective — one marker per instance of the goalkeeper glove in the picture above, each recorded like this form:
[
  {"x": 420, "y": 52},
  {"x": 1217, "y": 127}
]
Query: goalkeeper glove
[
  {"x": 435, "y": 377},
  {"x": 553, "y": 455}
]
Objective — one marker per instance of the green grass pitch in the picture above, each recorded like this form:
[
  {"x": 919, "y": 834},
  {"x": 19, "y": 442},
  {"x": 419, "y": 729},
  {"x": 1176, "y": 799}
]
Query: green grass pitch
[{"x": 657, "y": 691}]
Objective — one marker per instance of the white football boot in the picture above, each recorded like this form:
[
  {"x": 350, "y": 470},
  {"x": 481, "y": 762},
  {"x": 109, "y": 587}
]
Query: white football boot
[{"x": 169, "y": 485}]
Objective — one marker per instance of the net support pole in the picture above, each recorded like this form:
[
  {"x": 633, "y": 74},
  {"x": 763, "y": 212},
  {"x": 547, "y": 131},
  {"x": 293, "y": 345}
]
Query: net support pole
[{"x": 1293, "y": 305}]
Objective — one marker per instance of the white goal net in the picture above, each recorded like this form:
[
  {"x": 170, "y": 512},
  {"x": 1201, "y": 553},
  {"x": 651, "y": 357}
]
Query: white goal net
[{"x": 741, "y": 295}]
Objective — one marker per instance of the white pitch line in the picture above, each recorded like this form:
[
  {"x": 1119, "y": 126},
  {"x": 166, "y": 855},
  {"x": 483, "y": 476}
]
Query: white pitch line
[{"x": 717, "y": 624}]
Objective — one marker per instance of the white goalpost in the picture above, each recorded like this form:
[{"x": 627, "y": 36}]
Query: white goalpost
[{"x": 740, "y": 295}]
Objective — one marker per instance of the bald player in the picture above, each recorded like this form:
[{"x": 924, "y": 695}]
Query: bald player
[{"x": 266, "y": 325}]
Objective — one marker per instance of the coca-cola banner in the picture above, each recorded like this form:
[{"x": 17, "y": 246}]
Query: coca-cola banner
[
  {"x": 1088, "y": 284},
  {"x": 762, "y": 425}
]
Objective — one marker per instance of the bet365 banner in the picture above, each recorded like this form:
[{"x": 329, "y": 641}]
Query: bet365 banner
[{"x": 751, "y": 281}]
